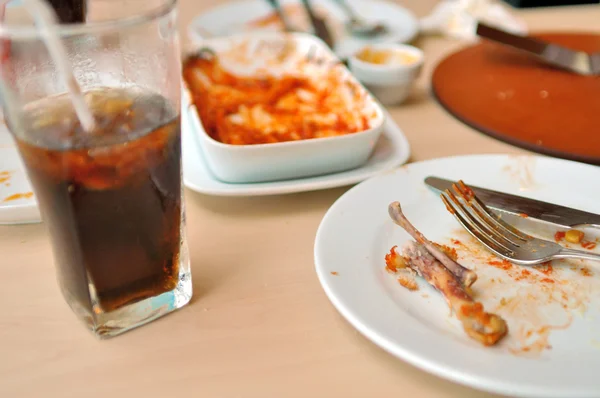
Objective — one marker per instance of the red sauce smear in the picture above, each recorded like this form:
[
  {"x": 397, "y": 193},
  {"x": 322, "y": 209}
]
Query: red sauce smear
[
  {"x": 524, "y": 275},
  {"x": 468, "y": 192},
  {"x": 4, "y": 176},
  {"x": 389, "y": 260},
  {"x": 588, "y": 245},
  {"x": 448, "y": 251},
  {"x": 529, "y": 333},
  {"x": 18, "y": 196},
  {"x": 408, "y": 283},
  {"x": 545, "y": 268},
  {"x": 523, "y": 215},
  {"x": 502, "y": 264},
  {"x": 334, "y": 273},
  {"x": 558, "y": 236}
]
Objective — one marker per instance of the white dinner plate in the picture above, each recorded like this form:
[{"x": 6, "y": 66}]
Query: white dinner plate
[
  {"x": 239, "y": 16},
  {"x": 17, "y": 203},
  {"x": 553, "y": 345},
  {"x": 391, "y": 150}
]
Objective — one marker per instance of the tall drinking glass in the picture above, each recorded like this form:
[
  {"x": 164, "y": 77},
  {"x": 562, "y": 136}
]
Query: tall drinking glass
[{"x": 111, "y": 198}]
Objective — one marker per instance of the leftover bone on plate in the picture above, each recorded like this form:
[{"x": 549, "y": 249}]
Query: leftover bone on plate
[{"x": 448, "y": 277}]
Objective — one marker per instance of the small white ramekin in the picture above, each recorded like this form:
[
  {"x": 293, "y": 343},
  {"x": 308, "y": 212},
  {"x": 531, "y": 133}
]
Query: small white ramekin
[{"x": 389, "y": 83}]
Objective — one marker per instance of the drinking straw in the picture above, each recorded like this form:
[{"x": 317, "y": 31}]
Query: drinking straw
[{"x": 46, "y": 22}]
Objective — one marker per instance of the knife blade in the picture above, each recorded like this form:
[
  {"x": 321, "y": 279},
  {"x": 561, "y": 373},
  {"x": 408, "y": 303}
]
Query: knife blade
[
  {"x": 565, "y": 58},
  {"x": 319, "y": 25},
  {"x": 517, "y": 205}
]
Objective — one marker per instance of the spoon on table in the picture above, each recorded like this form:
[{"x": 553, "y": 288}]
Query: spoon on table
[{"x": 358, "y": 26}]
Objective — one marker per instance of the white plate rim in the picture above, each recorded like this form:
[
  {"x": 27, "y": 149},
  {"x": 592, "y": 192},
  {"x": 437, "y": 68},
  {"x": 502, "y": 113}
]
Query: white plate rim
[
  {"x": 23, "y": 211},
  {"x": 392, "y": 131},
  {"x": 406, "y": 354}
]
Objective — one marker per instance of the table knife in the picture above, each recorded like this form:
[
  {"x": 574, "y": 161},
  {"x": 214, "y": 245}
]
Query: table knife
[
  {"x": 319, "y": 25},
  {"x": 517, "y": 205},
  {"x": 565, "y": 58},
  {"x": 281, "y": 15}
]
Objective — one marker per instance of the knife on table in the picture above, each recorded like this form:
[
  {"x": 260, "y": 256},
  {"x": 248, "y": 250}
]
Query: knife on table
[
  {"x": 517, "y": 205},
  {"x": 565, "y": 58},
  {"x": 281, "y": 15},
  {"x": 319, "y": 25}
]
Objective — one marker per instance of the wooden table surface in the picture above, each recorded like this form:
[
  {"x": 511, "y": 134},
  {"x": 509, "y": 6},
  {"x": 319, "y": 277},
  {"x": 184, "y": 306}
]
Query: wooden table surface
[{"x": 259, "y": 324}]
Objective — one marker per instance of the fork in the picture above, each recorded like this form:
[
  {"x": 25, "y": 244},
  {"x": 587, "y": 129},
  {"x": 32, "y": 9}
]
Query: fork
[{"x": 501, "y": 238}]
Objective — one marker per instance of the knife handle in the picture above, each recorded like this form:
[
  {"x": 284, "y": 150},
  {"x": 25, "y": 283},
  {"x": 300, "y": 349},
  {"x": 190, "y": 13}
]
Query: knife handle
[
  {"x": 318, "y": 24},
  {"x": 279, "y": 11},
  {"x": 519, "y": 42},
  {"x": 587, "y": 225},
  {"x": 310, "y": 13}
]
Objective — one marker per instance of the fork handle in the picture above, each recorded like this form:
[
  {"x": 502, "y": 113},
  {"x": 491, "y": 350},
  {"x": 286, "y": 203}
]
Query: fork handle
[{"x": 570, "y": 253}]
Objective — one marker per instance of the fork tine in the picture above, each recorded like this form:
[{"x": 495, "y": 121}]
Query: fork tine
[
  {"x": 481, "y": 223},
  {"x": 488, "y": 214},
  {"x": 467, "y": 196},
  {"x": 448, "y": 198}
]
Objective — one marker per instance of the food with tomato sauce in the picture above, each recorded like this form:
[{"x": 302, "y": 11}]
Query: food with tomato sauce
[
  {"x": 574, "y": 236},
  {"x": 438, "y": 266},
  {"x": 267, "y": 108}
]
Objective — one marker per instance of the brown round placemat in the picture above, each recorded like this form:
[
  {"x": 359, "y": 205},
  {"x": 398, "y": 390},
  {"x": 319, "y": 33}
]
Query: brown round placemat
[{"x": 519, "y": 100}]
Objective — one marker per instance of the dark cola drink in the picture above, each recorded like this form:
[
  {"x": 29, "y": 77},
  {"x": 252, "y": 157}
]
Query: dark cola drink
[
  {"x": 111, "y": 198},
  {"x": 69, "y": 11}
]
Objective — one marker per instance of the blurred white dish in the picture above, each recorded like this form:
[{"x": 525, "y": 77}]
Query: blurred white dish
[
  {"x": 17, "y": 203},
  {"x": 291, "y": 159},
  {"x": 459, "y": 18},
  {"x": 240, "y": 16},
  {"x": 390, "y": 82},
  {"x": 391, "y": 150}
]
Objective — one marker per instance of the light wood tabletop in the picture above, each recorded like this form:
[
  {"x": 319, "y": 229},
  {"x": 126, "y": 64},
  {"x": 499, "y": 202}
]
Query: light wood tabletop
[{"x": 259, "y": 324}]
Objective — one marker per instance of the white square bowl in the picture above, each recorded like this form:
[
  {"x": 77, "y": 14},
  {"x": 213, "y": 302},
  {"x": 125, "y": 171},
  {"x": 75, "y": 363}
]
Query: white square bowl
[{"x": 291, "y": 159}]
